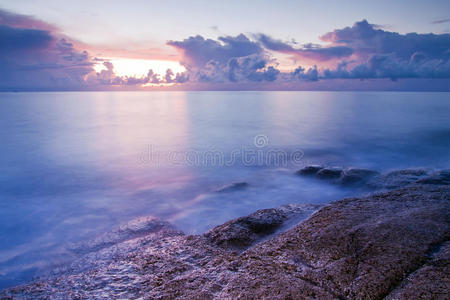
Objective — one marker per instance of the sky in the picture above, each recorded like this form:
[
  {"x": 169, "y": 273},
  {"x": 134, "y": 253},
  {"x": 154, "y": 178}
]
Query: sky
[{"x": 225, "y": 45}]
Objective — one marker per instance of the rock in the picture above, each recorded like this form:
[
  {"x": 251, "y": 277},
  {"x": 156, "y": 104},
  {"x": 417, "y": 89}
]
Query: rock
[
  {"x": 374, "y": 180},
  {"x": 397, "y": 179},
  {"x": 354, "y": 175},
  {"x": 441, "y": 178},
  {"x": 310, "y": 170},
  {"x": 368, "y": 248},
  {"x": 320, "y": 172},
  {"x": 393, "y": 245},
  {"x": 143, "y": 226},
  {"x": 431, "y": 281},
  {"x": 329, "y": 173},
  {"x": 244, "y": 231}
]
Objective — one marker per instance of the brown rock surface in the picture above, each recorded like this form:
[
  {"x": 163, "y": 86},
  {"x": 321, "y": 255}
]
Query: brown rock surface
[{"x": 392, "y": 245}]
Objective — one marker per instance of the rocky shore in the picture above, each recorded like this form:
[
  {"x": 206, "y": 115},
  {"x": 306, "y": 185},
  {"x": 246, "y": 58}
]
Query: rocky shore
[{"x": 393, "y": 244}]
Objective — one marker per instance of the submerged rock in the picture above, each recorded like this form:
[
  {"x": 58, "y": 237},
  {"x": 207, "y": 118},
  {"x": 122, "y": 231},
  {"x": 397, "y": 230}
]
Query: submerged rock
[
  {"x": 398, "y": 178},
  {"x": 393, "y": 245},
  {"x": 441, "y": 178},
  {"x": 354, "y": 176},
  {"x": 236, "y": 186},
  {"x": 329, "y": 173},
  {"x": 372, "y": 179},
  {"x": 338, "y": 175},
  {"x": 136, "y": 228},
  {"x": 310, "y": 170}
]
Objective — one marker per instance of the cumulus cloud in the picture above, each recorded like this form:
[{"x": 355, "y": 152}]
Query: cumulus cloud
[
  {"x": 366, "y": 40},
  {"x": 34, "y": 55},
  {"x": 228, "y": 59},
  {"x": 383, "y": 54},
  {"x": 198, "y": 51},
  {"x": 300, "y": 73},
  {"x": 389, "y": 66},
  {"x": 362, "y": 51},
  {"x": 365, "y": 51}
]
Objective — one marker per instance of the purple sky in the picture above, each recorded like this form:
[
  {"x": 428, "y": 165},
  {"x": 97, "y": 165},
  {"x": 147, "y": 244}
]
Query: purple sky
[{"x": 256, "y": 45}]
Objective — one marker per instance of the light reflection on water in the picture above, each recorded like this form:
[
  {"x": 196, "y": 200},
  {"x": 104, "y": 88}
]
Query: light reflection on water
[{"x": 71, "y": 167}]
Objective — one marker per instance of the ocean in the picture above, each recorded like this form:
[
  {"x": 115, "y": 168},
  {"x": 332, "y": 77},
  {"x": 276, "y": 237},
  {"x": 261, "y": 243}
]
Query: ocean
[{"x": 74, "y": 165}]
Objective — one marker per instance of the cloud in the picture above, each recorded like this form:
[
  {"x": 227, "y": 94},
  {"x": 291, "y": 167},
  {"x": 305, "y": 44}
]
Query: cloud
[
  {"x": 389, "y": 66},
  {"x": 362, "y": 51},
  {"x": 35, "y": 55},
  {"x": 383, "y": 54},
  {"x": 366, "y": 40},
  {"x": 19, "y": 39},
  {"x": 198, "y": 51},
  {"x": 168, "y": 77},
  {"x": 365, "y": 51},
  {"x": 310, "y": 51},
  {"x": 152, "y": 77},
  {"x": 232, "y": 59},
  {"x": 23, "y": 21},
  {"x": 441, "y": 21},
  {"x": 251, "y": 68},
  {"x": 34, "y": 58},
  {"x": 300, "y": 73}
]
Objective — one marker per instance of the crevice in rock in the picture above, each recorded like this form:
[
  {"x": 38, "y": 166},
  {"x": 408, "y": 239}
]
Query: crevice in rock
[{"x": 433, "y": 249}]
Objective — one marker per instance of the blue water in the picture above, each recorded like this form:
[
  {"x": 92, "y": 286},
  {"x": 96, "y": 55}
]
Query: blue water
[{"x": 76, "y": 164}]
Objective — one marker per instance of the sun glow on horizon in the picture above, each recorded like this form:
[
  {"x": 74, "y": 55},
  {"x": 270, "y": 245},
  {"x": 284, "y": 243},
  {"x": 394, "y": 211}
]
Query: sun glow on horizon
[{"x": 139, "y": 67}]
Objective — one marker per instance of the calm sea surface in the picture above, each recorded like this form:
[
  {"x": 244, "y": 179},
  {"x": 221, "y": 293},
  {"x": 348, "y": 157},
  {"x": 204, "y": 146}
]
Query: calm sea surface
[{"x": 76, "y": 164}]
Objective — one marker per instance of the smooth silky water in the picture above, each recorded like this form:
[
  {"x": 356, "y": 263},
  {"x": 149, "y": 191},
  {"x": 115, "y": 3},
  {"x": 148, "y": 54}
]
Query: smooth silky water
[{"x": 74, "y": 165}]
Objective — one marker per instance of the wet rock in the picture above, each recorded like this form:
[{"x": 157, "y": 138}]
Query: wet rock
[
  {"x": 367, "y": 248},
  {"x": 371, "y": 179},
  {"x": 329, "y": 173},
  {"x": 354, "y": 175},
  {"x": 398, "y": 178},
  {"x": 243, "y": 232},
  {"x": 310, "y": 170},
  {"x": 393, "y": 245},
  {"x": 136, "y": 228},
  {"x": 442, "y": 178}
]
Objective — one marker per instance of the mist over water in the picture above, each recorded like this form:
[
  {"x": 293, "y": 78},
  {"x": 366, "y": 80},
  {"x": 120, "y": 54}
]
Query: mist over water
[{"x": 76, "y": 164}]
